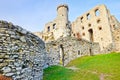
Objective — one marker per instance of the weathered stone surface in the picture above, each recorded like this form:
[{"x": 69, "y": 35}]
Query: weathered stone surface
[
  {"x": 22, "y": 39},
  {"x": 6, "y": 69},
  {"x": 2, "y": 65},
  {"x": 9, "y": 74},
  {"x": 1, "y": 60},
  {"x": 67, "y": 49},
  {"x": 20, "y": 52}
]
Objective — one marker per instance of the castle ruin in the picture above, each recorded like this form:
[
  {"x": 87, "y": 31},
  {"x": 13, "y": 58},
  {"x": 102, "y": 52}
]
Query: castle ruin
[
  {"x": 23, "y": 55},
  {"x": 96, "y": 25},
  {"x": 94, "y": 32}
]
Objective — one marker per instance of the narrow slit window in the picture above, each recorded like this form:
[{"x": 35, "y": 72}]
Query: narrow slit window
[
  {"x": 78, "y": 52},
  {"x": 48, "y": 28}
]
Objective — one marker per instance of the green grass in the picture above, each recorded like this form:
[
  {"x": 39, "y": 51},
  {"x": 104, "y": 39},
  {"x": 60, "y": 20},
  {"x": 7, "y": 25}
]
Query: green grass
[
  {"x": 88, "y": 68},
  {"x": 57, "y": 73}
]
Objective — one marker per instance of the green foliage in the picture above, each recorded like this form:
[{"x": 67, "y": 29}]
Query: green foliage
[{"x": 88, "y": 68}]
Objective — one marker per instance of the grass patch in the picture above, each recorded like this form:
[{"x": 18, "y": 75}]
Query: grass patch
[
  {"x": 105, "y": 66},
  {"x": 57, "y": 73}
]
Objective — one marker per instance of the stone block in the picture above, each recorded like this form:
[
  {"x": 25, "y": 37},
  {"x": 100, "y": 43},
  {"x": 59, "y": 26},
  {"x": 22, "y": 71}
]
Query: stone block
[
  {"x": 6, "y": 69},
  {"x": 23, "y": 39},
  {"x": 3, "y": 64},
  {"x": 9, "y": 74},
  {"x": 1, "y": 60}
]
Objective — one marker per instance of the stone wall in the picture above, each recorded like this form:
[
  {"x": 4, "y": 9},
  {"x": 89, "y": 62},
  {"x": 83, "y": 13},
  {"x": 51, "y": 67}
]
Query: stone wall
[
  {"x": 116, "y": 39},
  {"x": 94, "y": 26},
  {"x": 21, "y": 53},
  {"x": 66, "y": 49},
  {"x": 115, "y": 29}
]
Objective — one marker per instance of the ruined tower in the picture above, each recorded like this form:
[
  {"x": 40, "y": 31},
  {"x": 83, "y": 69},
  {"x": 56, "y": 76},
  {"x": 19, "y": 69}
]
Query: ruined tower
[
  {"x": 62, "y": 22},
  {"x": 62, "y": 15},
  {"x": 59, "y": 27}
]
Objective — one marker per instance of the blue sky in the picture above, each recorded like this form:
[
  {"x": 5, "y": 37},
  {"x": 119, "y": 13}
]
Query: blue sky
[{"x": 33, "y": 14}]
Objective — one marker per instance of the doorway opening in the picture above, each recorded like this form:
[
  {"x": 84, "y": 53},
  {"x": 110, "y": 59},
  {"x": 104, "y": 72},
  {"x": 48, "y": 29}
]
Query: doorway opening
[
  {"x": 91, "y": 54},
  {"x": 62, "y": 54},
  {"x": 91, "y": 35}
]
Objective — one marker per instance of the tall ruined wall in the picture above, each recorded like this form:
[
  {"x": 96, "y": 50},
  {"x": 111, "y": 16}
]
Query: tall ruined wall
[
  {"x": 67, "y": 49},
  {"x": 21, "y": 53},
  {"x": 94, "y": 26},
  {"x": 116, "y": 39},
  {"x": 115, "y": 29}
]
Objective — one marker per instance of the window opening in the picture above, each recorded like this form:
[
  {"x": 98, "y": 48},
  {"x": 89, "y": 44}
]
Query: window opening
[
  {"x": 81, "y": 19},
  {"x": 89, "y": 25},
  {"x": 54, "y": 26},
  {"x": 90, "y": 35},
  {"x": 97, "y": 12},
  {"x": 88, "y": 16},
  {"x": 48, "y": 28},
  {"x": 83, "y": 27},
  {"x": 78, "y": 52},
  {"x": 100, "y": 28}
]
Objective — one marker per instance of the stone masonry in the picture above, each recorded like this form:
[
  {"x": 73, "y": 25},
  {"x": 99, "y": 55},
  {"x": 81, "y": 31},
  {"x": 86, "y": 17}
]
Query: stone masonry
[
  {"x": 21, "y": 53},
  {"x": 94, "y": 26},
  {"x": 66, "y": 49}
]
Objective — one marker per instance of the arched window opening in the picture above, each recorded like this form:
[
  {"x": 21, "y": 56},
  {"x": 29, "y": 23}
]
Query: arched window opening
[
  {"x": 88, "y": 16},
  {"x": 54, "y": 26},
  {"x": 48, "y": 28},
  {"x": 81, "y": 19},
  {"x": 91, "y": 35},
  {"x": 97, "y": 12}
]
